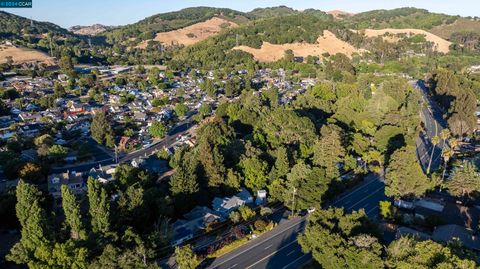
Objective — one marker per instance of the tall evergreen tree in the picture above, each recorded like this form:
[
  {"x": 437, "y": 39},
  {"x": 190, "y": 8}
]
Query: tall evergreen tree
[
  {"x": 329, "y": 150},
  {"x": 101, "y": 129},
  {"x": 464, "y": 181},
  {"x": 99, "y": 207},
  {"x": 404, "y": 176},
  {"x": 73, "y": 216},
  {"x": 338, "y": 240},
  {"x": 34, "y": 225}
]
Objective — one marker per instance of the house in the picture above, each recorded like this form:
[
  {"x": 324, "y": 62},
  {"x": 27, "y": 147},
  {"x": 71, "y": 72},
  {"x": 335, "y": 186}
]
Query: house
[
  {"x": 102, "y": 174},
  {"x": 261, "y": 197},
  {"x": 194, "y": 221},
  {"x": 137, "y": 162},
  {"x": 73, "y": 180},
  {"x": 405, "y": 231},
  {"x": 224, "y": 206},
  {"x": 140, "y": 116},
  {"x": 447, "y": 233}
]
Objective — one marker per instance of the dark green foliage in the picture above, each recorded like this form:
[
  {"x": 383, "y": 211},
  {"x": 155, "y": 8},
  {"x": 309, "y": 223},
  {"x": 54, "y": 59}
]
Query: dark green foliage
[
  {"x": 101, "y": 130},
  {"x": 99, "y": 207},
  {"x": 340, "y": 240},
  {"x": 404, "y": 176},
  {"x": 73, "y": 216},
  {"x": 398, "y": 18}
]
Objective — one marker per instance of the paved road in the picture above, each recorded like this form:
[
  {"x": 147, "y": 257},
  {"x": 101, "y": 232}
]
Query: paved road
[
  {"x": 432, "y": 118},
  {"x": 279, "y": 249},
  {"x": 180, "y": 129}
]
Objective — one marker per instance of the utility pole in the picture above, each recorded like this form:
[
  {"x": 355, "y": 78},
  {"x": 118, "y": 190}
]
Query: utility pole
[
  {"x": 116, "y": 154},
  {"x": 293, "y": 200},
  {"x": 236, "y": 40}
]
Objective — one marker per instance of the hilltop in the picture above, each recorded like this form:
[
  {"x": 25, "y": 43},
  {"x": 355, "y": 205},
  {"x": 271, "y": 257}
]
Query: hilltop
[
  {"x": 89, "y": 30},
  {"x": 193, "y": 35}
]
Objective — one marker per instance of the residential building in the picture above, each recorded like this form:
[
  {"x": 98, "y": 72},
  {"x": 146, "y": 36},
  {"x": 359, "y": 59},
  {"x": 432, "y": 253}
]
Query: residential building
[
  {"x": 224, "y": 206},
  {"x": 73, "y": 180}
]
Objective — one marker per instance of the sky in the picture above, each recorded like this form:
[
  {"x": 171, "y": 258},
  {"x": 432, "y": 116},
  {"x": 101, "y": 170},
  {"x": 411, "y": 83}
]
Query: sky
[{"x": 67, "y": 13}]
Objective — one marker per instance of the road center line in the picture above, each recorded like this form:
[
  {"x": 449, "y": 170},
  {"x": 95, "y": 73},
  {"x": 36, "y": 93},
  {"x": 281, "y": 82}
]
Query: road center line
[
  {"x": 373, "y": 193},
  {"x": 267, "y": 247},
  {"x": 271, "y": 254},
  {"x": 261, "y": 242},
  {"x": 354, "y": 191},
  {"x": 291, "y": 252},
  {"x": 296, "y": 260}
]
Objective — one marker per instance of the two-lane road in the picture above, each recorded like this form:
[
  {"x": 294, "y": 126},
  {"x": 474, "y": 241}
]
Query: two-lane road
[
  {"x": 279, "y": 249},
  {"x": 432, "y": 118}
]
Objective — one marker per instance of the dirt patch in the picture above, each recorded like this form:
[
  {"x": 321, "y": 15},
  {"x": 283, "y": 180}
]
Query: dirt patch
[
  {"x": 440, "y": 44},
  {"x": 328, "y": 43},
  {"x": 24, "y": 55},
  {"x": 340, "y": 14},
  {"x": 193, "y": 33}
]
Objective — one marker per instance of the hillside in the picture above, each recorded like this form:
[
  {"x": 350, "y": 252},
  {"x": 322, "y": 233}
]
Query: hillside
[
  {"x": 460, "y": 25},
  {"x": 340, "y": 14},
  {"x": 398, "y": 18},
  {"x": 23, "y": 55},
  {"x": 393, "y": 35},
  {"x": 13, "y": 26},
  {"x": 327, "y": 43},
  {"x": 270, "y": 12},
  {"x": 192, "y": 34},
  {"x": 148, "y": 28},
  {"x": 89, "y": 30}
]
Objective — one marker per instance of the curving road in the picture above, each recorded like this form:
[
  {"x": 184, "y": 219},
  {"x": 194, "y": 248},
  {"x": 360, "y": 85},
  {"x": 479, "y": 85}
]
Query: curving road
[
  {"x": 432, "y": 118},
  {"x": 279, "y": 249}
]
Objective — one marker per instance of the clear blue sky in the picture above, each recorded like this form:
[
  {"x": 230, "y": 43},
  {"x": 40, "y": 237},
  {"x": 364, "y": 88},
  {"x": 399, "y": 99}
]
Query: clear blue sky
[{"x": 67, "y": 13}]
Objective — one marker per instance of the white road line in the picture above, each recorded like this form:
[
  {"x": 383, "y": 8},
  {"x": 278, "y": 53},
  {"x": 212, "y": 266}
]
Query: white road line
[
  {"x": 259, "y": 243},
  {"x": 233, "y": 266},
  {"x": 270, "y": 255},
  {"x": 354, "y": 191},
  {"x": 291, "y": 252},
  {"x": 369, "y": 211},
  {"x": 379, "y": 189},
  {"x": 269, "y": 246},
  {"x": 296, "y": 260}
]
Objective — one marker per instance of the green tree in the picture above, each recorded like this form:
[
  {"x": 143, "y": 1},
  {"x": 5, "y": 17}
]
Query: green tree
[
  {"x": 282, "y": 164},
  {"x": 408, "y": 252},
  {"x": 100, "y": 127},
  {"x": 34, "y": 226},
  {"x": 99, "y": 207},
  {"x": 404, "y": 176},
  {"x": 246, "y": 213},
  {"x": 186, "y": 258},
  {"x": 308, "y": 184},
  {"x": 58, "y": 90},
  {"x": 328, "y": 150},
  {"x": 387, "y": 211},
  {"x": 465, "y": 181},
  {"x": 205, "y": 109},
  {"x": 339, "y": 240},
  {"x": 209, "y": 87},
  {"x": 254, "y": 171},
  {"x": 73, "y": 216},
  {"x": 158, "y": 129},
  {"x": 288, "y": 55},
  {"x": 57, "y": 152},
  {"x": 181, "y": 109},
  {"x": 435, "y": 141}
]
